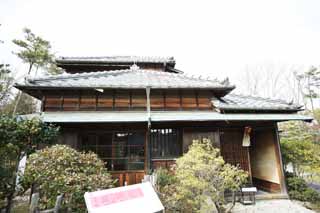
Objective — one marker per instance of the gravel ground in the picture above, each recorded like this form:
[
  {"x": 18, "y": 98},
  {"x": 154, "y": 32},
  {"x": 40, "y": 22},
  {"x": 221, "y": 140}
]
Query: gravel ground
[{"x": 272, "y": 206}]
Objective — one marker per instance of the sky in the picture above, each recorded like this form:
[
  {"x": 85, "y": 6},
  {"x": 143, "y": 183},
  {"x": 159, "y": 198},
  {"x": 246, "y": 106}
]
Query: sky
[{"x": 209, "y": 38}]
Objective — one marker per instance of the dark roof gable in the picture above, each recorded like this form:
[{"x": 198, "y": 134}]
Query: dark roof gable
[{"x": 105, "y": 63}]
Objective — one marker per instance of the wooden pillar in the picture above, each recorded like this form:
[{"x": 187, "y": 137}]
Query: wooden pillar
[
  {"x": 280, "y": 168},
  {"x": 43, "y": 101}
]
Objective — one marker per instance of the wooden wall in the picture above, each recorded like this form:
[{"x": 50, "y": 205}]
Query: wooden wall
[
  {"x": 126, "y": 100},
  {"x": 128, "y": 177},
  {"x": 232, "y": 150},
  {"x": 163, "y": 163}
]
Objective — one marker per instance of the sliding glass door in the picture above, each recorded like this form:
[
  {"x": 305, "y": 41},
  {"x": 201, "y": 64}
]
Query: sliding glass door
[{"x": 120, "y": 150}]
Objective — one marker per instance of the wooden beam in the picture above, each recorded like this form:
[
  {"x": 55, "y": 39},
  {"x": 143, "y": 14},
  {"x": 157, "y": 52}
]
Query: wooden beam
[
  {"x": 43, "y": 103},
  {"x": 113, "y": 99},
  {"x": 180, "y": 97},
  {"x": 62, "y": 100},
  {"x": 197, "y": 98},
  {"x": 79, "y": 100}
]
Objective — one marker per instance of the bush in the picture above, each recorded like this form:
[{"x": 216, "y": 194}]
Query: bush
[
  {"x": 299, "y": 190},
  {"x": 164, "y": 178},
  {"x": 63, "y": 170},
  {"x": 200, "y": 179}
]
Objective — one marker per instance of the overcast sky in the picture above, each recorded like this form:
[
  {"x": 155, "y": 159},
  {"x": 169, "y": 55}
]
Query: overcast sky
[{"x": 211, "y": 38}]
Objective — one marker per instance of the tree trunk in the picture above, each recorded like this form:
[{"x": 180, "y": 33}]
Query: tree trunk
[
  {"x": 9, "y": 203},
  {"x": 31, "y": 192},
  {"x": 16, "y": 103},
  {"x": 310, "y": 95},
  {"x": 233, "y": 202},
  {"x": 218, "y": 207},
  {"x": 14, "y": 178},
  {"x": 19, "y": 94}
]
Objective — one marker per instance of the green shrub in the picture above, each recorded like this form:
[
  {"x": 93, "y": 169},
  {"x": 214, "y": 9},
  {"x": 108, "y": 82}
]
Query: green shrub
[
  {"x": 164, "y": 178},
  {"x": 63, "y": 170},
  {"x": 299, "y": 190},
  {"x": 201, "y": 175}
]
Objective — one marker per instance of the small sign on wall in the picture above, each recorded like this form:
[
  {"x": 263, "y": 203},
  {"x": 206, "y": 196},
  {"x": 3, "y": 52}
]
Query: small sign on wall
[
  {"x": 134, "y": 198},
  {"x": 246, "y": 137}
]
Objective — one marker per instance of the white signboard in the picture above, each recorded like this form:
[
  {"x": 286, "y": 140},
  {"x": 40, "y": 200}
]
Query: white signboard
[{"x": 134, "y": 198}]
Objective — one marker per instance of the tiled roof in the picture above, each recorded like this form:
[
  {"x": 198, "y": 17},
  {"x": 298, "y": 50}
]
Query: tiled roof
[
  {"x": 125, "y": 79},
  {"x": 233, "y": 102},
  {"x": 115, "y": 59}
]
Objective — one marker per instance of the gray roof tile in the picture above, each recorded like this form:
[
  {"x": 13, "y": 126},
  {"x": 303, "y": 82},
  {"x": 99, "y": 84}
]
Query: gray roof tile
[
  {"x": 241, "y": 102},
  {"x": 125, "y": 79}
]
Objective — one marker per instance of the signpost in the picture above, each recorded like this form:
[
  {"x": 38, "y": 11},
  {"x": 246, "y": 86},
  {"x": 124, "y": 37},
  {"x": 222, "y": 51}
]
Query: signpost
[{"x": 139, "y": 198}]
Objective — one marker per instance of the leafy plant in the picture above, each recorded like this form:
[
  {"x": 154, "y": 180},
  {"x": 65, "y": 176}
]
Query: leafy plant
[
  {"x": 63, "y": 170},
  {"x": 201, "y": 178}
]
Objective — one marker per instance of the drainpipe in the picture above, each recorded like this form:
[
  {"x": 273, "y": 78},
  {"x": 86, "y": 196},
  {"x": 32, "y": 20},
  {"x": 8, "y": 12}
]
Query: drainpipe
[
  {"x": 148, "y": 106},
  {"x": 148, "y": 142}
]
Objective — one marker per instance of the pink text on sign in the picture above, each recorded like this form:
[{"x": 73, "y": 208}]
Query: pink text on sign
[{"x": 115, "y": 197}]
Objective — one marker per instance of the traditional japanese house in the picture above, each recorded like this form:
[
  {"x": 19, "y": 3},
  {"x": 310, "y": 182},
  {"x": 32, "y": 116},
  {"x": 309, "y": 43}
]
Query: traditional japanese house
[{"x": 141, "y": 113}]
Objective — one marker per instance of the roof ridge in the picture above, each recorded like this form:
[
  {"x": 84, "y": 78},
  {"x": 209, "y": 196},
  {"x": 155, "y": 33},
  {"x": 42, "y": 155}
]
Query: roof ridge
[{"x": 151, "y": 59}]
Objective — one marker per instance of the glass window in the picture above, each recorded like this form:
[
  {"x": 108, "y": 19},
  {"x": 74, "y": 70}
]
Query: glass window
[{"x": 120, "y": 150}]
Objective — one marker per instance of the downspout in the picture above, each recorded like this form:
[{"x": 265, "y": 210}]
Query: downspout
[
  {"x": 148, "y": 143},
  {"x": 148, "y": 106}
]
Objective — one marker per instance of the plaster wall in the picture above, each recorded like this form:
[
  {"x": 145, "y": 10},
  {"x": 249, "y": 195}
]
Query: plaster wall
[{"x": 263, "y": 157}]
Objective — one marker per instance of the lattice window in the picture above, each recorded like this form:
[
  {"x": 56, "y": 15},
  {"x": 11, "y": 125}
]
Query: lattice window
[{"x": 166, "y": 143}]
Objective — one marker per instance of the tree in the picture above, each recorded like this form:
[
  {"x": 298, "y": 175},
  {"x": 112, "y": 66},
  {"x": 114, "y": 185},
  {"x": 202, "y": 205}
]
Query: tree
[
  {"x": 26, "y": 105},
  {"x": 6, "y": 81},
  {"x": 69, "y": 172},
  {"x": 0, "y": 39},
  {"x": 311, "y": 83},
  {"x": 19, "y": 137},
  {"x": 36, "y": 52},
  {"x": 299, "y": 148},
  {"x": 201, "y": 179},
  {"x": 271, "y": 80}
]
